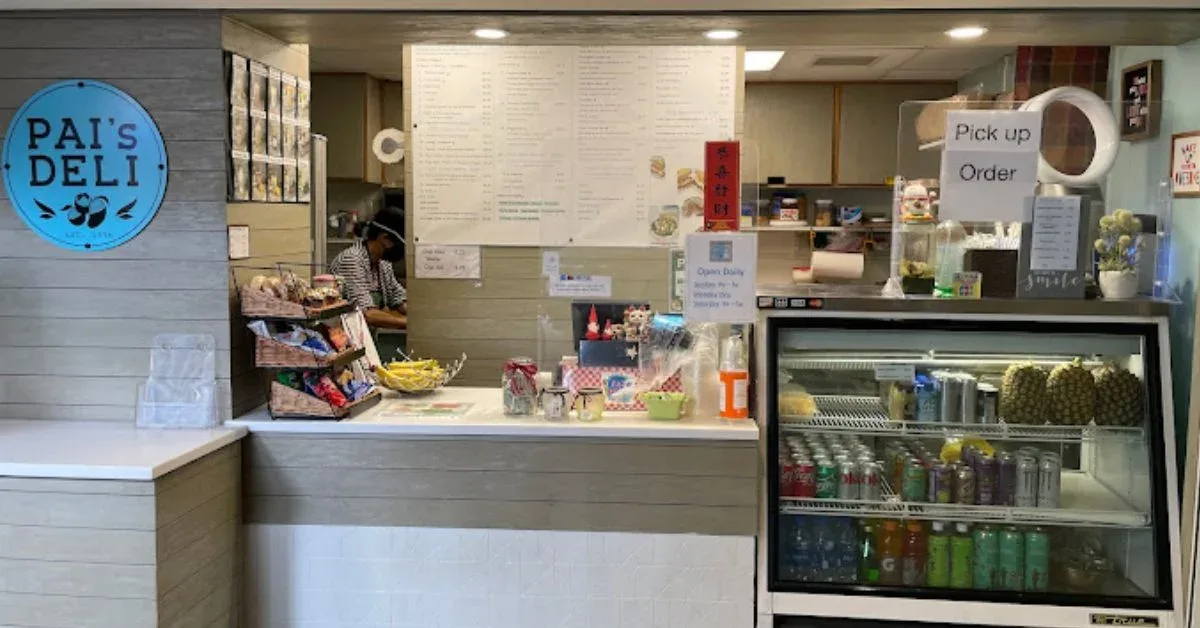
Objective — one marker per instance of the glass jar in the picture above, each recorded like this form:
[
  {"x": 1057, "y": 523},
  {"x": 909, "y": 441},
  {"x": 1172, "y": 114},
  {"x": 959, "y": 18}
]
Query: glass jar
[
  {"x": 918, "y": 247},
  {"x": 519, "y": 384}
]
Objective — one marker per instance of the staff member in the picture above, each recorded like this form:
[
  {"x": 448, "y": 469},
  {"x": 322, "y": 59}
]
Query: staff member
[{"x": 367, "y": 269}]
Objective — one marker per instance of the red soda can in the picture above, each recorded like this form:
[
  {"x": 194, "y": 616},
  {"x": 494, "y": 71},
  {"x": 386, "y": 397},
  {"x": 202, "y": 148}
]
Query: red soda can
[
  {"x": 806, "y": 478},
  {"x": 787, "y": 475}
]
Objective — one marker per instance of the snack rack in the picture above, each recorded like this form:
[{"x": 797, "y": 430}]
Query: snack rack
[{"x": 285, "y": 402}]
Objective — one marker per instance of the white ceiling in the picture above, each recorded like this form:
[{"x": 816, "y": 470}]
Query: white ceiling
[{"x": 896, "y": 63}]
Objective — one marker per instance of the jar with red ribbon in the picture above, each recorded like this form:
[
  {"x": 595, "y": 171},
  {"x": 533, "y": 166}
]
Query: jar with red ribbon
[{"x": 520, "y": 386}]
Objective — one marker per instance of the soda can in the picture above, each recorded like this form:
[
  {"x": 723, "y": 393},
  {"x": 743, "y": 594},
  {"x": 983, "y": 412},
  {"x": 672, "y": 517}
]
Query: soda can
[
  {"x": 864, "y": 458},
  {"x": 964, "y": 485},
  {"x": 787, "y": 475},
  {"x": 1037, "y": 560},
  {"x": 915, "y": 483},
  {"x": 985, "y": 480},
  {"x": 1006, "y": 479},
  {"x": 941, "y": 483},
  {"x": 1049, "y": 480},
  {"x": 987, "y": 404},
  {"x": 805, "y": 478},
  {"x": 1029, "y": 450},
  {"x": 827, "y": 479},
  {"x": 967, "y": 398},
  {"x": 949, "y": 388},
  {"x": 871, "y": 489},
  {"x": 841, "y": 457},
  {"x": 985, "y": 558},
  {"x": 1010, "y": 568},
  {"x": 1025, "y": 493},
  {"x": 966, "y": 455},
  {"x": 849, "y": 480},
  {"x": 928, "y": 407}
]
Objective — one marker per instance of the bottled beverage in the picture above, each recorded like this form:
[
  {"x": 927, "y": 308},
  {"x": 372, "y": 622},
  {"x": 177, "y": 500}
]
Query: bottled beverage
[
  {"x": 1006, "y": 479},
  {"x": 891, "y": 550},
  {"x": 1049, "y": 480},
  {"x": 1037, "y": 560},
  {"x": 1010, "y": 569},
  {"x": 960, "y": 557},
  {"x": 847, "y": 552},
  {"x": 914, "y": 556},
  {"x": 937, "y": 567},
  {"x": 985, "y": 480},
  {"x": 868, "y": 554},
  {"x": 827, "y": 550},
  {"x": 804, "y": 559},
  {"x": 985, "y": 557},
  {"x": 735, "y": 379}
]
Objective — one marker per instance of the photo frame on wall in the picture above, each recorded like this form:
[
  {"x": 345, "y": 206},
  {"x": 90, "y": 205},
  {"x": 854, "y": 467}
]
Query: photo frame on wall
[
  {"x": 1141, "y": 100},
  {"x": 1185, "y": 165}
]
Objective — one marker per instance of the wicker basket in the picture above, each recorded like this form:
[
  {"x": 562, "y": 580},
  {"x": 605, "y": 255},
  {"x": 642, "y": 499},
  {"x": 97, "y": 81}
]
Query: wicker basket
[
  {"x": 289, "y": 402},
  {"x": 259, "y": 304},
  {"x": 274, "y": 354}
]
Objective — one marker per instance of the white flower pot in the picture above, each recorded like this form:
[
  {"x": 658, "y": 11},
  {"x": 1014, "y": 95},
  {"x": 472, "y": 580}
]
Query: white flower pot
[{"x": 1118, "y": 284}]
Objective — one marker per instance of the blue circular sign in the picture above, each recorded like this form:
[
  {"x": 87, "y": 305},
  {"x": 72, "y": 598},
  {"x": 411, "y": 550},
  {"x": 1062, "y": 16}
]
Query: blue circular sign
[{"x": 85, "y": 166}]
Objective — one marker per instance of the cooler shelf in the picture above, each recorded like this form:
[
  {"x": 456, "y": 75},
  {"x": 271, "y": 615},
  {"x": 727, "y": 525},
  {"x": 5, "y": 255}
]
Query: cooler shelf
[
  {"x": 866, "y": 416},
  {"x": 1083, "y": 502}
]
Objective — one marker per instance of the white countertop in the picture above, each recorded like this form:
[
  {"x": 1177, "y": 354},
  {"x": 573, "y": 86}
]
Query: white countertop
[
  {"x": 89, "y": 450},
  {"x": 485, "y": 417}
]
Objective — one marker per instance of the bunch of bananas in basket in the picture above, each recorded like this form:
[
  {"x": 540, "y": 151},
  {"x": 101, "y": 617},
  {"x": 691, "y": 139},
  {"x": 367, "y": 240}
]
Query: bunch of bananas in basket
[{"x": 411, "y": 375}]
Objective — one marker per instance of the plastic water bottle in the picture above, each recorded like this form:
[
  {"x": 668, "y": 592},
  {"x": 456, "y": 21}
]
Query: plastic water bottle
[
  {"x": 827, "y": 542},
  {"x": 848, "y": 551},
  {"x": 804, "y": 551}
]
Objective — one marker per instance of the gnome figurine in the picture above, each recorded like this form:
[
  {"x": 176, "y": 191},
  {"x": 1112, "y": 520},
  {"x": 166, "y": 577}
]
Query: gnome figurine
[
  {"x": 593, "y": 326},
  {"x": 608, "y": 330}
]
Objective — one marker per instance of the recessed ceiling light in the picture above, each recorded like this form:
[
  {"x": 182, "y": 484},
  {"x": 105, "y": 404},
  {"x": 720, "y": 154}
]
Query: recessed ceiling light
[
  {"x": 722, "y": 34},
  {"x": 966, "y": 32},
  {"x": 762, "y": 60},
  {"x": 490, "y": 33}
]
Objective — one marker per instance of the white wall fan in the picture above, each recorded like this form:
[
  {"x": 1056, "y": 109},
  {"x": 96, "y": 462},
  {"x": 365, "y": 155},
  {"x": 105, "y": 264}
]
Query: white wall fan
[{"x": 388, "y": 146}]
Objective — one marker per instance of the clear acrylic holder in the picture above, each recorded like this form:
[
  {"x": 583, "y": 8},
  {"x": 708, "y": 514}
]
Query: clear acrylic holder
[{"x": 181, "y": 389}]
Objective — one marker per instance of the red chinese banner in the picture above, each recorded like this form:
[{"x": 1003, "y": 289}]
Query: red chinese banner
[{"x": 722, "y": 186}]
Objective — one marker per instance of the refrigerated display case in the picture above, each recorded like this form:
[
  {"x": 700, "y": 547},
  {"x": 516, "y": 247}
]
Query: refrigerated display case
[{"x": 934, "y": 465}]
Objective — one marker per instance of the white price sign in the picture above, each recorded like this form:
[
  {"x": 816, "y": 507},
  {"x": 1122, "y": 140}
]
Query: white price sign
[
  {"x": 441, "y": 261},
  {"x": 895, "y": 372},
  {"x": 989, "y": 165}
]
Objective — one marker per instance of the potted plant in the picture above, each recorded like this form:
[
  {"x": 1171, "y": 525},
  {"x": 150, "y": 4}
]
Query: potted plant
[{"x": 1119, "y": 245}]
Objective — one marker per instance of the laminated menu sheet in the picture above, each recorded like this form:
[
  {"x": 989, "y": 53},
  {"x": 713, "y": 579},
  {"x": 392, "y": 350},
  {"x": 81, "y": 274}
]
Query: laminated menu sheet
[{"x": 565, "y": 145}]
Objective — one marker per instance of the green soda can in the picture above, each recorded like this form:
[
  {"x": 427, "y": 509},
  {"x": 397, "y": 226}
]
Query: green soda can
[
  {"x": 937, "y": 563},
  {"x": 960, "y": 557},
  {"x": 1037, "y": 560},
  {"x": 915, "y": 483},
  {"x": 1010, "y": 569},
  {"x": 987, "y": 555}
]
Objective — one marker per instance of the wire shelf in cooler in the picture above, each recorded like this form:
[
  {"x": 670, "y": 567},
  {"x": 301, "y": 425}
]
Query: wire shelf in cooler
[
  {"x": 945, "y": 360},
  {"x": 1084, "y": 502},
  {"x": 867, "y": 416}
]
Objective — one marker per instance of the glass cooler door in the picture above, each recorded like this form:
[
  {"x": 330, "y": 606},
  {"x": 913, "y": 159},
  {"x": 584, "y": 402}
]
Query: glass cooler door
[{"x": 978, "y": 461}]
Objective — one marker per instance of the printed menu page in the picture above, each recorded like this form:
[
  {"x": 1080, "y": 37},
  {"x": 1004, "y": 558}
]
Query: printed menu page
[{"x": 562, "y": 145}]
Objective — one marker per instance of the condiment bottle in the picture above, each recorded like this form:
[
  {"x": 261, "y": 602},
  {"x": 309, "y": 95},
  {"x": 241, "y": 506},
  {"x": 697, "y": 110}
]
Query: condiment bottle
[{"x": 735, "y": 379}]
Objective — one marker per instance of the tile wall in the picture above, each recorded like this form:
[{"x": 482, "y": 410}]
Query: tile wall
[
  {"x": 374, "y": 577},
  {"x": 1067, "y": 140}
]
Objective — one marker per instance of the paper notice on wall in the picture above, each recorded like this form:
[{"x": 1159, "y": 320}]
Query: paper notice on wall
[
  {"x": 1055, "y": 244},
  {"x": 989, "y": 164},
  {"x": 442, "y": 261},
  {"x": 550, "y": 263},
  {"x": 721, "y": 273},
  {"x": 581, "y": 286}
]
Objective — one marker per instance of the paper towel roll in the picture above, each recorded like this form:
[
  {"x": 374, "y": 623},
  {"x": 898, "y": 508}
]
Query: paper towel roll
[
  {"x": 1104, "y": 127},
  {"x": 827, "y": 266}
]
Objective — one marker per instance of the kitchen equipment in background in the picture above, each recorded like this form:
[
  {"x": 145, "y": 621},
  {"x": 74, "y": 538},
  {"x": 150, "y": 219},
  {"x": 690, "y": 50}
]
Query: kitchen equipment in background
[
  {"x": 388, "y": 146},
  {"x": 824, "y": 214}
]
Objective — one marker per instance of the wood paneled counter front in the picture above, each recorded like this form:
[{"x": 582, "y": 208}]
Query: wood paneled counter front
[{"x": 477, "y": 468}]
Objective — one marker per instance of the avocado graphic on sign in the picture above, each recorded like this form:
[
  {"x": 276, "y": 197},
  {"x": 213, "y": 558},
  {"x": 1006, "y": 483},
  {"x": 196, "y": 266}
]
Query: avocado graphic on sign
[{"x": 84, "y": 165}]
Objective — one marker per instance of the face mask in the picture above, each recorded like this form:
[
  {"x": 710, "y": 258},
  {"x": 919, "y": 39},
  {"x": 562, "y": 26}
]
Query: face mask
[{"x": 393, "y": 254}]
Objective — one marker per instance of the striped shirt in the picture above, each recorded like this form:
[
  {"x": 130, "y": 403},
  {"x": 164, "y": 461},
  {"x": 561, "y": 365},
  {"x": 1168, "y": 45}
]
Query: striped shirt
[{"x": 354, "y": 266}]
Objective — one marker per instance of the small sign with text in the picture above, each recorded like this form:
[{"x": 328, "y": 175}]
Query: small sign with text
[{"x": 989, "y": 165}]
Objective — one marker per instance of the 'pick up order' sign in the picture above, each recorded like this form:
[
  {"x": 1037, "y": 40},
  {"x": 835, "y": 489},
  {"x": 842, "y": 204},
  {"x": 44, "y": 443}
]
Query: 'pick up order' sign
[{"x": 989, "y": 165}]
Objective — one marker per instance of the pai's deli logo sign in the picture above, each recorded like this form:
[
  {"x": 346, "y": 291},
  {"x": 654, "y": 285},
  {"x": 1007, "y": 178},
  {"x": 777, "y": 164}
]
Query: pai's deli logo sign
[{"x": 84, "y": 165}]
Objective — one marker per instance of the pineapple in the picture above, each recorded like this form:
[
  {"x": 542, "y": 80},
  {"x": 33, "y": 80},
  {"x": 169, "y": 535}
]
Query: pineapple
[
  {"x": 1119, "y": 397},
  {"x": 1071, "y": 393},
  {"x": 1023, "y": 394}
]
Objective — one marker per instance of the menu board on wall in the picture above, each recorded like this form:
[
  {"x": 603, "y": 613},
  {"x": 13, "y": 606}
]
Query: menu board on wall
[{"x": 563, "y": 145}]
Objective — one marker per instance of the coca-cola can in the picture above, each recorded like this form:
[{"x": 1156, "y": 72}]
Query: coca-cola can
[
  {"x": 806, "y": 478},
  {"x": 849, "y": 480},
  {"x": 787, "y": 475},
  {"x": 871, "y": 489}
]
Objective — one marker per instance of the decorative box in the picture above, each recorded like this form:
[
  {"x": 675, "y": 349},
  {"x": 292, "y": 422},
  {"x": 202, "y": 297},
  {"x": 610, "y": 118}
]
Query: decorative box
[
  {"x": 999, "y": 270},
  {"x": 618, "y": 383},
  {"x": 608, "y": 353}
]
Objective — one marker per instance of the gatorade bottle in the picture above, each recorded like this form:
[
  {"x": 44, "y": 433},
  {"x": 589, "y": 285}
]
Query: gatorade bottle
[
  {"x": 915, "y": 554},
  {"x": 937, "y": 568},
  {"x": 891, "y": 550},
  {"x": 961, "y": 548},
  {"x": 868, "y": 555}
]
